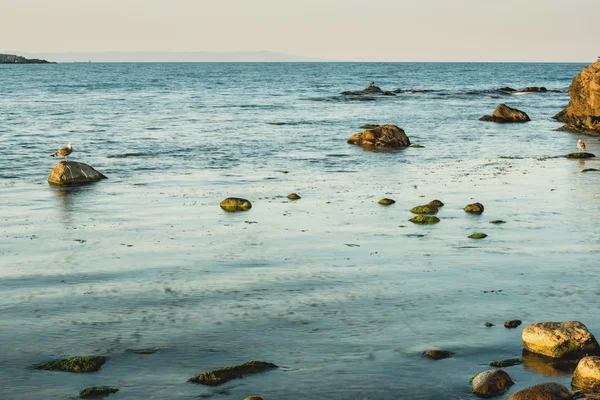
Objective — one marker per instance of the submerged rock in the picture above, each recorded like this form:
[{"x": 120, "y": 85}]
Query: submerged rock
[
  {"x": 506, "y": 363},
  {"x": 74, "y": 173},
  {"x": 233, "y": 204},
  {"x": 219, "y": 376},
  {"x": 75, "y": 364},
  {"x": 543, "y": 391},
  {"x": 580, "y": 155},
  {"x": 424, "y": 220},
  {"x": 384, "y": 136},
  {"x": 559, "y": 339},
  {"x": 386, "y": 202},
  {"x": 587, "y": 375},
  {"x": 513, "y": 323},
  {"x": 477, "y": 235},
  {"x": 425, "y": 209},
  {"x": 437, "y": 354},
  {"x": 474, "y": 208},
  {"x": 97, "y": 391},
  {"x": 506, "y": 114},
  {"x": 491, "y": 383}
]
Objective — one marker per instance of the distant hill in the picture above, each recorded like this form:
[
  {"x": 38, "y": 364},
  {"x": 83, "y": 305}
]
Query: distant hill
[
  {"x": 13, "y": 59},
  {"x": 163, "y": 56}
]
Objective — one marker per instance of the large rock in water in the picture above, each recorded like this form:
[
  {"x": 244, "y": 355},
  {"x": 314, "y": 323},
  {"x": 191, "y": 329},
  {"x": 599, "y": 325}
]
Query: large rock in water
[
  {"x": 73, "y": 173},
  {"x": 491, "y": 383},
  {"x": 583, "y": 112},
  {"x": 587, "y": 375},
  {"x": 559, "y": 339},
  {"x": 387, "y": 136},
  {"x": 543, "y": 391},
  {"x": 504, "y": 114}
]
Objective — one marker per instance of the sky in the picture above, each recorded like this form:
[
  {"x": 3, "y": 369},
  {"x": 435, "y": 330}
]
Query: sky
[{"x": 344, "y": 30}]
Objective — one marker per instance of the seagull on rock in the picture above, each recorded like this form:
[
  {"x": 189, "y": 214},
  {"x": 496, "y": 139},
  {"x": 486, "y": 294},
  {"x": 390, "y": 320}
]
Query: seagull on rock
[{"x": 65, "y": 151}]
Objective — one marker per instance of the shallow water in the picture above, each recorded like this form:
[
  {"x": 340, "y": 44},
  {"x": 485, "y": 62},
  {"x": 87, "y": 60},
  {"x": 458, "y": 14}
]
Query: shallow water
[{"x": 342, "y": 293}]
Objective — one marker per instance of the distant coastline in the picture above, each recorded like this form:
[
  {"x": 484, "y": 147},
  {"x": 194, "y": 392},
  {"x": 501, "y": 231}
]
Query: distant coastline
[{"x": 14, "y": 59}]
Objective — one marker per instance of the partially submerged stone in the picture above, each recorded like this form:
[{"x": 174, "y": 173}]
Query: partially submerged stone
[
  {"x": 425, "y": 209},
  {"x": 253, "y": 398},
  {"x": 73, "y": 173},
  {"x": 477, "y": 235},
  {"x": 489, "y": 324},
  {"x": 386, "y": 202},
  {"x": 219, "y": 376},
  {"x": 233, "y": 204},
  {"x": 506, "y": 363},
  {"x": 513, "y": 323},
  {"x": 383, "y": 136},
  {"x": 506, "y": 114},
  {"x": 293, "y": 196},
  {"x": 587, "y": 375},
  {"x": 543, "y": 391},
  {"x": 417, "y": 146},
  {"x": 580, "y": 155},
  {"x": 474, "y": 208},
  {"x": 534, "y": 89},
  {"x": 437, "y": 354},
  {"x": 590, "y": 170},
  {"x": 497, "y": 222},
  {"x": 424, "y": 219},
  {"x": 97, "y": 391},
  {"x": 559, "y": 339},
  {"x": 75, "y": 364},
  {"x": 491, "y": 383},
  {"x": 436, "y": 203}
]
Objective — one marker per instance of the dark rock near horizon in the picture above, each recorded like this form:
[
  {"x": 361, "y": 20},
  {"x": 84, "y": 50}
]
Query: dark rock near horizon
[
  {"x": 14, "y": 59},
  {"x": 504, "y": 114},
  {"x": 534, "y": 89},
  {"x": 382, "y": 136}
]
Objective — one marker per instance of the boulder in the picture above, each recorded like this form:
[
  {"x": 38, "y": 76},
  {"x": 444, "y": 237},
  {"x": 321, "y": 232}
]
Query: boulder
[
  {"x": 587, "y": 375},
  {"x": 513, "y": 323},
  {"x": 233, "y": 204},
  {"x": 383, "y": 136},
  {"x": 424, "y": 209},
  {"x": 293, "y": 196},
  {"x": 559, "y": 339},
  {"x": 386, "y": 202},
  {"x": 491, "y": 383},
  {"x": 437, "y": 354},
  {"x": 583, "y": 112},
  {"x": 478, "y": 235},
  {"x": 474, "y": 208},
  {"x": 543, "y": 391},
  {"x": 424, "y": 220},
  {"x": 72, "y": 173},
  {"x": 505, "y": 114},
  {"x": 97, "y": 391}
]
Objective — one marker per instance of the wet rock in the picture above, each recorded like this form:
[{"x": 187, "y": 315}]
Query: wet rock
[
  {"x": 583, "y": 112},
  {"x": 491, "y": 383},
  {"x": 497, "y": 222},
  {"x": 386, "y": 202},
  {"x": 437, "y": 354},
  {"x": 436, "y": 203},
  {"x": 489, "y": 324},
  {"x": 559, "y": 339},
  {"x": 477, "y": 235},
  {"x": 73, "y": 173},
  {"x": 75, "y": 364},
  {"x": 580, "y": 155},
  {"x": 372, "y": 89},
  {"x": 587, "y": 375},
  {"x": 293, "y": 196},
  {"x": 219, "y": 376},
  {"x": 97, "y": 391},
  {"x": 424, "y": 220},
  {"x": 417, "y": 146},
  {"x": 384, "y": 136},
  {"x": 369, "y": 126},
  {"x": 506, "y": 363},
  {"x": 543, "y": 391},
  {"x": 513, "y": 323},
  {"x": 506, "y": 114},
  {"x": 474, "y": 208},
  {"x": 425, "y": 209},
  {"x": 534, "y": 89},
  {"x": 234, "y": 204}
]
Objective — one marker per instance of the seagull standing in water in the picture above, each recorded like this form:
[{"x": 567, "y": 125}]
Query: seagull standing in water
[
  {"x": 580, "y": 145},
  {"x": 63, "y": 152}
]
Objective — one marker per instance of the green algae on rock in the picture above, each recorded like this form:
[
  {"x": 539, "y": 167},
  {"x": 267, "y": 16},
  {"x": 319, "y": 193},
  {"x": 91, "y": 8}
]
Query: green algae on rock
[
  {"x": 497, "y": 222},
  {"x": 425, "y": 209},
  {"x": 580, "y": 155},
  {"x": 436, "y": 203},
  {"x": 424, "y": 219},
  {"x": 437, "y": 354},
  {"x": 75, "y": 364},
  {"x": 474, "y": 208},
  {"x": 477, "y": 235},
  {"x": 219, "y": 376},
  {"x": 233, "y": 204},
  {"x": 386, "y": 202},
  {"x": 512, "y": 323},
  {"x": 96, "y": 391},
  {"x": 293, "y": 196},
  {"x": 506, "y": 363}
]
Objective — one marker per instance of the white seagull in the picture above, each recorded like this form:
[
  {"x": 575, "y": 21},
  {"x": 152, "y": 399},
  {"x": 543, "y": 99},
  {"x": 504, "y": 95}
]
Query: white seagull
[
  {"x": 63, "y": 152},
  {"x": 580, "y": 145}
]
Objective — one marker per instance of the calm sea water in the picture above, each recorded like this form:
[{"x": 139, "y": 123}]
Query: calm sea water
[{"x": 342, "y": 293}]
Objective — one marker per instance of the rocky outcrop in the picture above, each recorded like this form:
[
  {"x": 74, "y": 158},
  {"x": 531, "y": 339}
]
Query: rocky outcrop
[
  {"x": 13, "y": 59},
  {"x": 559, "y": 339},
  {"x": 383, "y": 136},
  {"x": 72, "y": 173},
  {"x": 491, "y": 383},
  {"x": 543, "y": 391},
  {"x": 587, "y": 375},
  {"x": 504, "y": 114},
  {"x": 583, "y": 112}
]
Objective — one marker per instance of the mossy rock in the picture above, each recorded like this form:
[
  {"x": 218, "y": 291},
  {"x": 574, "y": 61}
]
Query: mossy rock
[
  {"x": 425, "y": 209},
  {"x": 386, "y": 202},
  {"x": 424, "y": 219},
  {"x": 416, "y": 146},
  {"x": 96, "y": 391},
  {"x": 506, "y": 363},
  {"x": 436, "y": 203},
  {"x": 75, "y": 364},
  {"x": 293, "y": 196},
  {"x": 489, "y": 324},
  {"x": 512, "y": 323},
  {"x": 497, "y": 222},
  {"x": 233, "y": 204},
  {"x": 580, "y": 155},
  {"x": 219, "y": 376},
  {"x": 477, "y": 235},
  {"x": 437, "y": 354},
  {"x": 474, "y": 208}
]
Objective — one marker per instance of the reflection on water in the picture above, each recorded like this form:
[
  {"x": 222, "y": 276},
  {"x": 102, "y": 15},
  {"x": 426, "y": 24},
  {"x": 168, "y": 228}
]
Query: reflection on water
[{"x": 548, "y": 366}]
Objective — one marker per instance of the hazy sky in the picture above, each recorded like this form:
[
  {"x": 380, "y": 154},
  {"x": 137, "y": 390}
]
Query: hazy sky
[{"x": 360, "y": 30}]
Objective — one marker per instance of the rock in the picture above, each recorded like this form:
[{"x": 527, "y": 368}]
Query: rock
[
  {"x": 75, "y": 364},
  {"x": 388, "y": 136},
  {"x": 580, "y": 155},
  {"x": 13, "y": 59},
  {"x": 477, "y": 235},
  {"x": 559, "y": 339},
  {"x": 491, "y": 383},
  {"x": 369, "y": 126},
  {"x": 513, "y": 323},
  {"x": 497, "y": 222},
  {"x": 489, "y": 324},
  {"x": 534, "y": 89},
  {"x": 543, "y": 391},
  {"x": 386, "y": 202},
  {"x": 583, "y": 112},
  {"x": 590, "y": 170},
  {"x": 72, "y": 173},
  {"x": 506, "y": 363},
  {"x": 437, "y": 354},
  {"x": 474, "y": 208},
  {"x": 426, "y": 209},
  {"x": 424, "y": 220},
  {"x": 372, "y": 89},
  {"x": 506, "y": 114},
  {"x": 253, "y": 398},
  {"x": 417, "y": 146},
  {"x": 293, "y": 196},
  {"x": 233, "y": 204},
  {"x": 96, "y": 391},
  {"x": 506, "y": 89},
  {"x": 436, "y": 203},
  {"x": 219, "y": 376},
  {"x": 587, "y": 375}
]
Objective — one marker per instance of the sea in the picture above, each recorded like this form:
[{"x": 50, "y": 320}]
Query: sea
[{"x": 340, "y": 292}]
